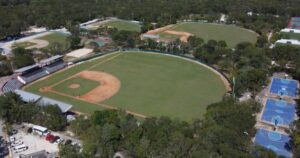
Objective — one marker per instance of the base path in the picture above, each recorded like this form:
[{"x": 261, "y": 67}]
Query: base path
[
  {"x": 184, "y": 36},
  {"x": 109, "y": 86}
]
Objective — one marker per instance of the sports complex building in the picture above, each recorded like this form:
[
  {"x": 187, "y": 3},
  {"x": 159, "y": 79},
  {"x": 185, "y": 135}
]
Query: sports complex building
[
  {"x": 32, "y": 73},
  {"x": 278, "y": 113}
]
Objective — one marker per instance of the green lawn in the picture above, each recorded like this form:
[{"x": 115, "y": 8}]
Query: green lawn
[
  {"x": 290, "y": 35},
  {"x": 168, "y": 36},
  {"x": 151, "y": 84},
  {"x": 231, "y": 34},
  {"x": 56, "y": 38},
  {"x": 85, "y": 86},
  {"x": 124, "y": 25},
  {"x": 23, "y": 44}
]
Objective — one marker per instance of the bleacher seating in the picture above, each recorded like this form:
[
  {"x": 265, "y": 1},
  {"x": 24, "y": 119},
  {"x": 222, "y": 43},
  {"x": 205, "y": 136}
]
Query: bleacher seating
[
  {"x": 11, "y": 85},
  {"x": 30, "y": 77},
  {"x": 54, "y": 67},
  {"x": 31, "y": 73}
]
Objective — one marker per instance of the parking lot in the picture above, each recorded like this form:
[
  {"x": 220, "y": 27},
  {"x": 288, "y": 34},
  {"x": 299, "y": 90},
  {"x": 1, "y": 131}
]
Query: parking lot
[
  {"x": 3, "y": 143},
  {"x": 34, "y": 142}
]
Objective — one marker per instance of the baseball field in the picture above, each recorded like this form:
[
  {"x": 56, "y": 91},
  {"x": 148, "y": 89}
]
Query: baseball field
[
  {"x": 144, "y": 84},
  {"x": 231, "y": 34}
]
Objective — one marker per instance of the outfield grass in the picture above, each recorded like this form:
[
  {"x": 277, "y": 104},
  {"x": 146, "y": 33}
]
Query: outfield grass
[
  {"x": 55, "y": 38},
  {"x": 85, "y": 86},
  {"x": 231, "y": 34},
  {"x": 168, "y": 36},
  {"x": 124, "y": 25},
  {"x": 151, "y": 84},
  {"x": 23, "y": 44}
]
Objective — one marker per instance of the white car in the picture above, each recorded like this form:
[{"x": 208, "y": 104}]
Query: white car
[
  {"x": 58, "y": 141},
  {"x": 12, "y": 139},
  {"x": 17, "y": 143},
  {"x": 20, "y": 148}
]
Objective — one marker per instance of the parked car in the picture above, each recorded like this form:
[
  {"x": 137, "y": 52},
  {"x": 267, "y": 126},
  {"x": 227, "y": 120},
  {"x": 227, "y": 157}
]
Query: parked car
[
  {"x": 20, "y": 148},
  {"x": 54, "y": 139},
  {"x": 17, "y": 143},
  {"x": 12, "y": 139},
  {"x": 59, "y": 140},
  {"x": 50, "y": 137},
  {"x": 30, "y": 130}
]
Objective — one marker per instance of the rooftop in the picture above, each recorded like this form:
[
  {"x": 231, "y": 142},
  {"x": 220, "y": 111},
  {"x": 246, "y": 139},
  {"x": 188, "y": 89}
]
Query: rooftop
[
  {"x": 45, "y": 61},
  {"x": 23, "y": 69},
  {"x": 43, "y": 101}
]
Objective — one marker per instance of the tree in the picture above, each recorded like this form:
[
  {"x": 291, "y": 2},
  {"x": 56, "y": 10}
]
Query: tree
[
  {"x": 22, "y": 57},
  {"x": 51, "y": 117}
]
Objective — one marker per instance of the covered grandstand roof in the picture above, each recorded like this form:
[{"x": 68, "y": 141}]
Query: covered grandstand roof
[
  {"x": 27, "y": 97},
  {"x": 43, "y": 101},
  {"x": 45, "y": 61},
  {"x": 23, "y": 69},
  {"x": 64, "y": 107}
]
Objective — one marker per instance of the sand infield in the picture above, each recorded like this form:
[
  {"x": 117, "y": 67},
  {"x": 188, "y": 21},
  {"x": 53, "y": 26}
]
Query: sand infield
[
  {"x": 183, "y": 36},
  {"x": 109, "y": 86}
]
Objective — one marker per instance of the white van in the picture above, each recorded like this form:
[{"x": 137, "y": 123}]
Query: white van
[
  {"x": 20, "y": 148},
  {"x": 40, "y": 130}
]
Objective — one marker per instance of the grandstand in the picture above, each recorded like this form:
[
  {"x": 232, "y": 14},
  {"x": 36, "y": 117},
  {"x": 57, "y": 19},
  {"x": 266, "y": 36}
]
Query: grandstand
[
  {"x": 11, "y": 85},
  {"x": 31, "y": 73}
]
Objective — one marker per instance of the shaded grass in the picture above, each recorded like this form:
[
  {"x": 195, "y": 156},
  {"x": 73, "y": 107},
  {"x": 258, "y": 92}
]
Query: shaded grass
[{"x": 290, "y": 35}]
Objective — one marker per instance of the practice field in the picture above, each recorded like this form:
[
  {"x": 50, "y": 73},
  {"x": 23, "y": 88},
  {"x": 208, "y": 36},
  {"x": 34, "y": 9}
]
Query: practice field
[
  {"x": 229, "y": 33},
  {"x": 23, "y": 44},
  {"x": 279, "y": 112},
  {"x": 274, "y": 141},
  {"x": 56, "y": 38},
  {"x": 124, "y": 25},
  {"x": 145, "y": 84}
]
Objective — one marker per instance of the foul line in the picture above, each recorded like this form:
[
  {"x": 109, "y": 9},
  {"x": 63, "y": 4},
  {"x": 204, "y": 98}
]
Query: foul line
[
  {"x": 111, "y": 58},
  {"x": 49, "y": 89},
  {"x": 102, "y": 105}
]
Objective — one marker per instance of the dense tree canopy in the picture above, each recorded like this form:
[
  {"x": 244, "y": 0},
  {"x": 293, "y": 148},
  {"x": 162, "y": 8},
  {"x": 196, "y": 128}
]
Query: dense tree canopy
[
  {"x": 14, "y": 110},
  {"x": 225, "y": 132},
  {"x": 19, "y": 14}
]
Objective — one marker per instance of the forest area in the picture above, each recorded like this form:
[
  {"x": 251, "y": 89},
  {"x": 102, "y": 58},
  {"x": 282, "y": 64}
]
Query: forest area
[{"x": 20, "y": 14}]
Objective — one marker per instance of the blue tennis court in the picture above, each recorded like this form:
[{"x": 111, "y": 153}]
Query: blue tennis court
[
  {"x": 275, "y": 141},
  {"x": 279, "y": 112},
  {"x": 284, "y": 87}
]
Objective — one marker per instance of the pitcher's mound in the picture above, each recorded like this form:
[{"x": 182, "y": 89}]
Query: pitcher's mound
[{"x": 74, "y": 86}]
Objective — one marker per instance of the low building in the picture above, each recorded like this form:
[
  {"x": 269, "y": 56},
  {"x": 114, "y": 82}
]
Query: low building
[
  {"x": 43, "y": 101},
  {"x": 80, "y": 53},
  {"x": 288, "y": 42},
  {"x": 150, "y": 36},
  {"x": 288, "y": 30}
]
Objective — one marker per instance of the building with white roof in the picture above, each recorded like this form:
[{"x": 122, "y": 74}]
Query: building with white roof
[{"x": 288, "y": 41}]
